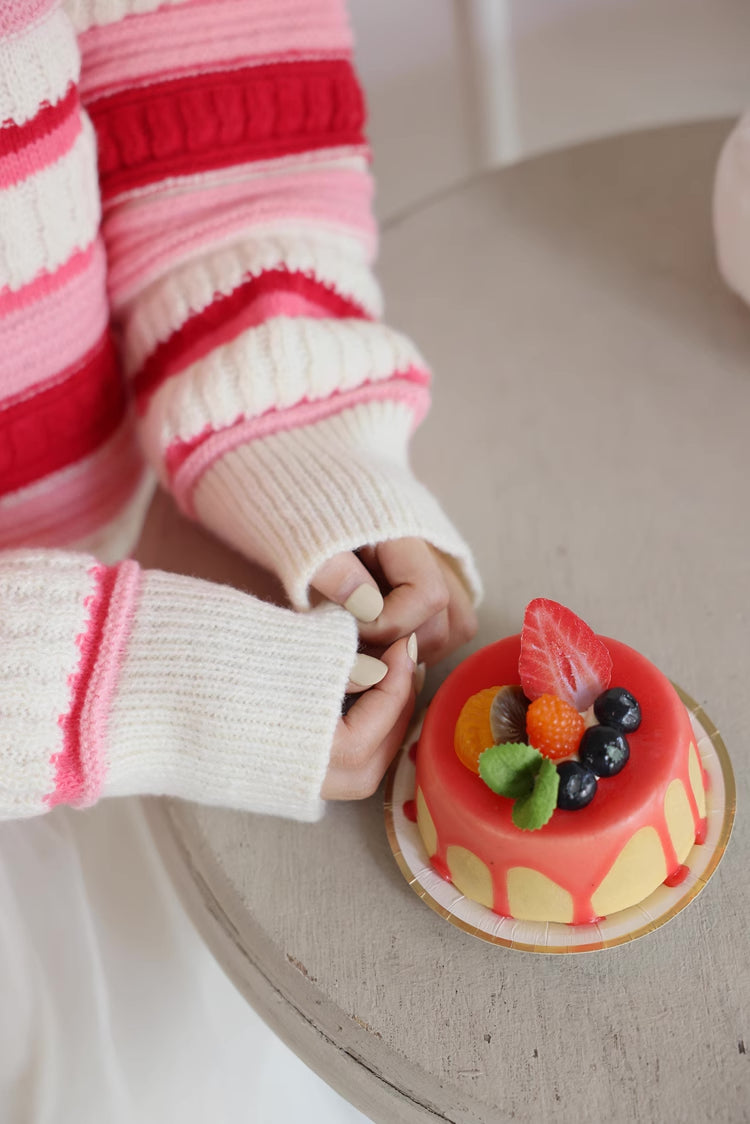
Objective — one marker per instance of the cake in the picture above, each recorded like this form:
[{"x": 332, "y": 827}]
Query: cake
[{"x": 557, "y": 775}]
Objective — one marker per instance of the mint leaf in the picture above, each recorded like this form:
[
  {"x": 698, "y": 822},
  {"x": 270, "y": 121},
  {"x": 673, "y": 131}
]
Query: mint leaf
[
  {"x": 509, "y": 769},
  {"x": 535, "y": 810}
]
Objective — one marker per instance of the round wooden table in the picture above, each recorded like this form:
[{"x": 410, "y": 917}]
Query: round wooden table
[{"x": 590, "y": 436}]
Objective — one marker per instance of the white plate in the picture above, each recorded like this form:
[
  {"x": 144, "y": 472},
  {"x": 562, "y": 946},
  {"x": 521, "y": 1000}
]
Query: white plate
[{"x": 553, "y": 937}]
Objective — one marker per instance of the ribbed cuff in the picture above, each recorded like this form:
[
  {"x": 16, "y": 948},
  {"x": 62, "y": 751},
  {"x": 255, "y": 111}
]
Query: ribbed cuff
[
  {"x": 226, "y": 700},
  {"x": 292, "y": 500},
  {"x": 45, "y": 617}
]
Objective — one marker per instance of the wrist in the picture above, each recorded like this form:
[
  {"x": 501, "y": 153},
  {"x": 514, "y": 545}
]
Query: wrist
[
  {"x": 293, "y": 500},
  {"x": 227, "y": 700}
]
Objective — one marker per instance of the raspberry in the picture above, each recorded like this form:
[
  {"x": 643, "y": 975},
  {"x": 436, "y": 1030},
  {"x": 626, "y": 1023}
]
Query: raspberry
[{"x": 554, "y": 727}]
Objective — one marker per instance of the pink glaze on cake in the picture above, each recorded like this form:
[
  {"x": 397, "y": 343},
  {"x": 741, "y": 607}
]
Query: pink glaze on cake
[
  {"x": 461, "y": 818},
  {"x": 678, "y": 876}
]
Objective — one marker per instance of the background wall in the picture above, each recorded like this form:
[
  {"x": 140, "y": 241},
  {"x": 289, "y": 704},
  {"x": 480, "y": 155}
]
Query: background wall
[{"x": 458, "y": 85}]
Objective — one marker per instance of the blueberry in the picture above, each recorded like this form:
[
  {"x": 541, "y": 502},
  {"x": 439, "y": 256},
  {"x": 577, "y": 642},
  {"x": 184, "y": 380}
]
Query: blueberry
[
  {"x": 577, "y": 786},
  {"x": 617, "y": 707},
  {"x": 604, "y": 750}
]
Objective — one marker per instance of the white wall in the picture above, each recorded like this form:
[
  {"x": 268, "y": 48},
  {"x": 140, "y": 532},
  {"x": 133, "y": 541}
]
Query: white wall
[
  {"x": 586, "y": 68},
  {"x": 419, "y": 124},
  {"x": 455, "y": 85}
]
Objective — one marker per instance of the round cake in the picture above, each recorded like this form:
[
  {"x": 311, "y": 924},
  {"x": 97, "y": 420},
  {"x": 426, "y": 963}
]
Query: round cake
[{"x": 612, "y": 833}]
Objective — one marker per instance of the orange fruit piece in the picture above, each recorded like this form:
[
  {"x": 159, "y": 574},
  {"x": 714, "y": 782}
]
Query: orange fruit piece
[
  {"x": 554, "y": 726},
  {"x": 473, "y": 732}
]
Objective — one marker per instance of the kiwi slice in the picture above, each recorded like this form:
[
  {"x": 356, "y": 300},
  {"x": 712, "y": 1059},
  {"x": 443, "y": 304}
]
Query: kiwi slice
[{"x": 508, "y": 715}]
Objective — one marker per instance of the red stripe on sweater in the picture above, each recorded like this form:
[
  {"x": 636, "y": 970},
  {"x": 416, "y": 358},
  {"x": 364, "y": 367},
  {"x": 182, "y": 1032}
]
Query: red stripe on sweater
[
  {"x": 226, "y": 317},
  {"x": 182, "y": 126},
  {"x": 70, "y": 782},
  {"x": 15, "y": 138},
  {"x": 61, "y": 421}
]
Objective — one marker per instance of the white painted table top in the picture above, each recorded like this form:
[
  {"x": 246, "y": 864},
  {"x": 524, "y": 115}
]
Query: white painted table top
[{"x": 589, "y": 435}]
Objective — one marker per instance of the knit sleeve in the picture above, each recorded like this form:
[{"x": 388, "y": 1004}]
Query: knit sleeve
[
  {"x": 117, "y": 681},
  {"x": 271, "y": 398},
  {"x": 70, "y": 468}
]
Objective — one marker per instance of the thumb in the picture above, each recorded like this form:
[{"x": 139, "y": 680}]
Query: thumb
[{"x": 344, "y": 580}]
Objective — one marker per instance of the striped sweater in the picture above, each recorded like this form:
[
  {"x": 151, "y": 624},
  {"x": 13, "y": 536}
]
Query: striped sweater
[{"x": 186, "y": 294}]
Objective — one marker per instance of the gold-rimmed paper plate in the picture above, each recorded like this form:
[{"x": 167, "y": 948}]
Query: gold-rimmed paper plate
[{"x": 552, "y": 937}]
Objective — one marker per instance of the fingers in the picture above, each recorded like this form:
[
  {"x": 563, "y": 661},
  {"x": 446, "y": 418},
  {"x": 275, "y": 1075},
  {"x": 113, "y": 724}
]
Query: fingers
[
  {"x": 462, "y": 619},
  {"x": 427, "y": 597},
  {"x": 346, "y": 581},
  {"x": 367, "y": 671},
  {"x": 369, "y": 735},
  {"x": 418, "y": 592}
]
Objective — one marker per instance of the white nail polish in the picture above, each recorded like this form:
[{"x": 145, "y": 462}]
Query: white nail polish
[
  {"x": 411, "y": 648},
  {"x": 367, "y": 671},
  {"x": 366, "y": 603}
]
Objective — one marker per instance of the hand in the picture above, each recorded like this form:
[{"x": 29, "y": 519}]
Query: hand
[
  {"x": 368, "y": 737},
  {"x": 423, "y": 594}
]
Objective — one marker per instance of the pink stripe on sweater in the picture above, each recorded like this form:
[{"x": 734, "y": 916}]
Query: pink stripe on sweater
[
  {"x": 174, "y": 41},
  {"x": 73, "y": 317},
  {"x": 267, "y": 306},
  {"x": 47, "y": 283},
  {"x": 69, "y": 779},
  {"x": 17, "y": 15},
  {"x": 81, "y": 765},
  {"x": 148, "y": 236},
  {"x": 104, "y": 679},
  {"x": 186, "y": 462},
  {"x": 70, "y": 505},
  {"x": 17, "y": 166}
]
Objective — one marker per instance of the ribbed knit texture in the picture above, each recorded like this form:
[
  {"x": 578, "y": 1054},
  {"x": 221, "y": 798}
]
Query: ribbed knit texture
[
  {"x": 186, "y": 243},
  {"x": 43, "y": 613},
  {"x": 114, "y": 681},
  {"x": 39, "y": 61},
  {"x": 294, "y": 362},
  {"x": 290, "y": 499},
  {"x": 227, "y": 700},
  {"x": 50, "y": 214}
]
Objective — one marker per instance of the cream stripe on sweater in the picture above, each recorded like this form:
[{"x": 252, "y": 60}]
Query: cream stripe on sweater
[
  {"x": 274, "y": 366},
  {"x": 218, "y": 697},
  {"x": 90, "y": 13},
  {"x": 37, "y": 66},
  {"x": 42, "y": 613},
  {"x": 46, "y": 217},
  {"x": 167, "y": 304}
]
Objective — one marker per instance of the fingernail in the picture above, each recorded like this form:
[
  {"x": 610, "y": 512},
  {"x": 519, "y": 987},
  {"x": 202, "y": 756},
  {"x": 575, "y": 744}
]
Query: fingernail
[
  {"x": 419, "y": 677},
  {"x": 366, "y": 603},
  {"x": 367, "y": 671},
  {"x": 411, "y": 648}
]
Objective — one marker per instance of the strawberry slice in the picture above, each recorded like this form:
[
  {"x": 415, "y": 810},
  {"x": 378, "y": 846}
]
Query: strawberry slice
[{"x": 561, "y": 656}]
